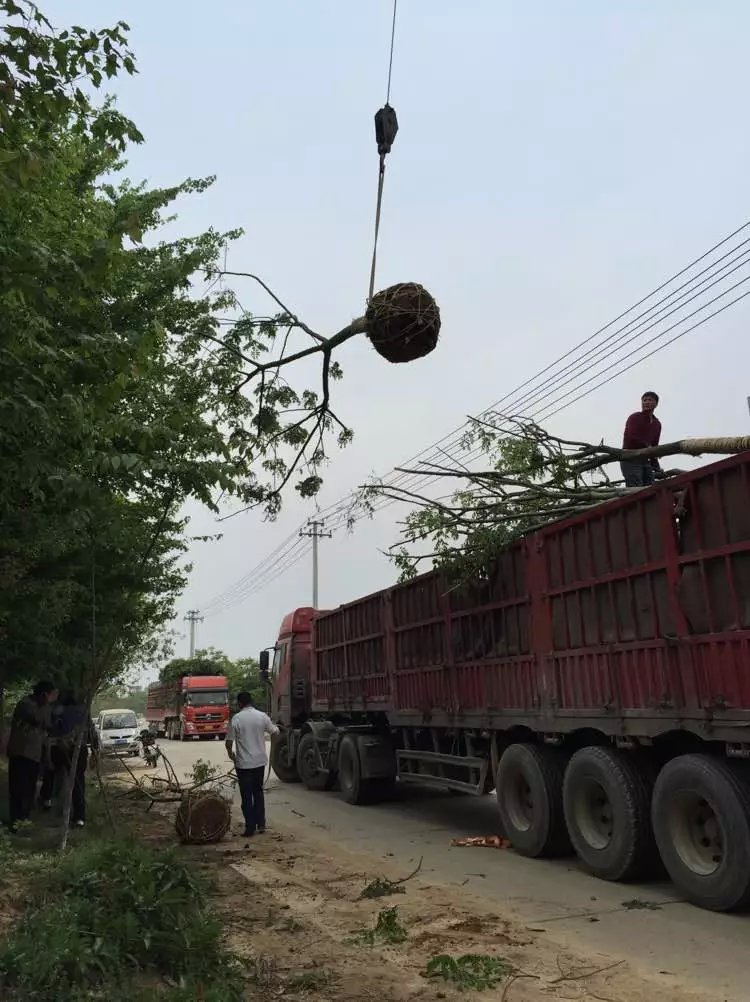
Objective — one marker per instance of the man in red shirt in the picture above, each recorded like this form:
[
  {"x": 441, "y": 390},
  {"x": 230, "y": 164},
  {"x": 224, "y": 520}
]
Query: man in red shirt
[{"x": 642, "y": 431}]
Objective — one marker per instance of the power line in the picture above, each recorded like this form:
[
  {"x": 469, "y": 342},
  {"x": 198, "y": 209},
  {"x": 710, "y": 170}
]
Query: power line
[
  {"x": 390, "y": 57},
  {"x": 248, "y": 584},
  {"x": 271, "y": 576}
]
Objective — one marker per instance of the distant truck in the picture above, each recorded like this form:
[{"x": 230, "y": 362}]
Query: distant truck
[
  {"x": 598, "y": 678},
  {"x": 194, "y": 706}
]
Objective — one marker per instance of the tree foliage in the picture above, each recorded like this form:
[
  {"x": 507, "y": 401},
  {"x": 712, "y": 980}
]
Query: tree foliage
[
  {"x": 525, "y": 478},
  {"x": 130, "y": 384}
]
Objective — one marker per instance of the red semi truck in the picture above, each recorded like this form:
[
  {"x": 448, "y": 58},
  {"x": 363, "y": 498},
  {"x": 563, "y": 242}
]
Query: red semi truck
[
  {"x": 598, "y": 679},
  {"x": 193, "y": 706}
]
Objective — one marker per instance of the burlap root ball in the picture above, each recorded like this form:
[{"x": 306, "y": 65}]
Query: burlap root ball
[
  {"x": 403, "y": 322},
  {"x": 203, "y": 817}
]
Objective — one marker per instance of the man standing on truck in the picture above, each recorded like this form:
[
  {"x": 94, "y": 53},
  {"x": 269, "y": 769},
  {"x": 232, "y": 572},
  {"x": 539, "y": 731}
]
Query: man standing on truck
[
  {"x": 642, "y": 431},
  {"x": 247, "y": 730}
]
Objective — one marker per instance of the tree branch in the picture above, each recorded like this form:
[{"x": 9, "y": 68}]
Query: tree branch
[
  {"x": 531, "y": 478},
  {"x": 293, "y": 316}
]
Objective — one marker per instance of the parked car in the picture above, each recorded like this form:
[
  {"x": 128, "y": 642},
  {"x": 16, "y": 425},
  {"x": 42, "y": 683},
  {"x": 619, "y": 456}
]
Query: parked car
[{"x": 118, "y": 731}]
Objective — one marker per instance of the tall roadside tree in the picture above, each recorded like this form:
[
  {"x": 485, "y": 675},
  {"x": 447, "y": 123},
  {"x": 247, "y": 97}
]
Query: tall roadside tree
[
  {"x": 122, "y": 381},
  {"x": 133, "y": 380}
]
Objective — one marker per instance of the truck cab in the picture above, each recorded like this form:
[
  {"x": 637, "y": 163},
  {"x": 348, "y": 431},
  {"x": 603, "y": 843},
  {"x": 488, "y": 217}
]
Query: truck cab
[
  {"x": 193, "y": 706},
  {"x": 289, "y": 668},
  {"x": 286, "y": 669}
]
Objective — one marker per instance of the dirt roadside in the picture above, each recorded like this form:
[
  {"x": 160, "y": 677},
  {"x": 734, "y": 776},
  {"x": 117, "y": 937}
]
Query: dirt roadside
[{"x": 292, "y": 906}]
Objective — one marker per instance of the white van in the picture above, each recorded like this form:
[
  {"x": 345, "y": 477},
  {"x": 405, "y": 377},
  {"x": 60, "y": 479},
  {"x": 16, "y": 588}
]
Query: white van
[{"x": 117, "y": 731}]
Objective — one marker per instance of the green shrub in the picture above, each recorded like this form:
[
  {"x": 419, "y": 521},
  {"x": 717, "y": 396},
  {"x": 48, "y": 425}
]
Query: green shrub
[{"x": 107, "y": 911}]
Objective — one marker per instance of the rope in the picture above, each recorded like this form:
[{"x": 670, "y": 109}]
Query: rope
[
  {"x": 381, "y": 169},
  {"x": 390, "y": 59},
  {"x": 381, "y": 179}
]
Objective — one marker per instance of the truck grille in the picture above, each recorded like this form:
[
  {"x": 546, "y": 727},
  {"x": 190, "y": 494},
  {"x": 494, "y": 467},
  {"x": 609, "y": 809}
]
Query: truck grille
[{"x": 203, "y": 717}]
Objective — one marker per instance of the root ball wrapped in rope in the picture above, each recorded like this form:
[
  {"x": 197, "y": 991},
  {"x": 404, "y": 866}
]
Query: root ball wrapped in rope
[
  {"x": 203, "y": 817},
  {"x": 403, "y": 322}
]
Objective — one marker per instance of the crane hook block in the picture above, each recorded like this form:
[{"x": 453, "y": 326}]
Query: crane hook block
[{"x": 386, "y": 127}]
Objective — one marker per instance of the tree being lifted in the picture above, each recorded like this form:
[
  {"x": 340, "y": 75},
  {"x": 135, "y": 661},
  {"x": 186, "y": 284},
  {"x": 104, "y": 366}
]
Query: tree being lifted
[{"x": 530, "y": 478}]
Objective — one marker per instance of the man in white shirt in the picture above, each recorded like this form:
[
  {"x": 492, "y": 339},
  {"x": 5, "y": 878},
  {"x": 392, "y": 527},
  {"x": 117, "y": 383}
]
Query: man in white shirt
[{"x": 247, "y": 730}]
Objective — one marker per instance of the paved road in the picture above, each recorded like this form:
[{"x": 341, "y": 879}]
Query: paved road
[{"x": 708, "y": 950}]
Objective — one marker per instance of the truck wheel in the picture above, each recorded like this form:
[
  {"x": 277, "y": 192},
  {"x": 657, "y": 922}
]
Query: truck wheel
[
  {"x": 607, "y": 796},
  {"x": 308, "y": 759},
  {"x": 354, "y": 789},
  {"x": 529, "y": 798},
  {"x": 284, "y": 769},
  {"x": 701, "y": 813}
]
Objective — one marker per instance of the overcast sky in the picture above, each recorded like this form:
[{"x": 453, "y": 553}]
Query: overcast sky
[{"x": 555, "y": 162}]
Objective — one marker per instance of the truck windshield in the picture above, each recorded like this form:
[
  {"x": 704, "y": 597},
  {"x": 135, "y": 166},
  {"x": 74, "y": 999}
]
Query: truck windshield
[
  {"x": 207, "y": 697},
  {"x": 114, "y": 721}
]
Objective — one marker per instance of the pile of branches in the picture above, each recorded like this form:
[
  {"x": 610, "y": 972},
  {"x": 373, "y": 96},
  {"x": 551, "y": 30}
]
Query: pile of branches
[{"x": 527, "y": 479}]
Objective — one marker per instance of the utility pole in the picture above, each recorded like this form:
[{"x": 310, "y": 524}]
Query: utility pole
[
  {"x": 193, "y": 617},
  {"x": 315, "y": 533}
]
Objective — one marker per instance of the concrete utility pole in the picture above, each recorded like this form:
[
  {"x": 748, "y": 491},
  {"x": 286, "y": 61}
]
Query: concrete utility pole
[
  {"x": 193, "y": 617},
  {"x": 315, "y": 533}
]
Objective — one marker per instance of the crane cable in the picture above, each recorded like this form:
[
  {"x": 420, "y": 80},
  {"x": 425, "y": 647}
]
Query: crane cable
[{"x": 386, "y": 127}]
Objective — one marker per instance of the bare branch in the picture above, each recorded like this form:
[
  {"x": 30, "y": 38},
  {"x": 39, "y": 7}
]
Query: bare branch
[
  {"x": 293, "y": 316},
  {"x": 529, "y": 478}
]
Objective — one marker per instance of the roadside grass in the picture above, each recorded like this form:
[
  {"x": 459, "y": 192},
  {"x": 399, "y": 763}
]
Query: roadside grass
[{"x": 111, "y": 918}]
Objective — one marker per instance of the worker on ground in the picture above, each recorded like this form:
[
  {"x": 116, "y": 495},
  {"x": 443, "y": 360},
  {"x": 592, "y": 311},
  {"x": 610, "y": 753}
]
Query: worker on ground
[
  {"x": 27, "y": 750},
  {"x": 73, "y": 719},
  {"x": 51, "y": 767},
  {"x": 247, "y": 730},
  {"x": 642, "y": 431}
]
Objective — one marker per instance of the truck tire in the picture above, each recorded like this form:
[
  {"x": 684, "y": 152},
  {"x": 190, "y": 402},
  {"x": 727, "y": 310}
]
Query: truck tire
[
  {"x": 607, "y": 798},
  {"x": 284, "y": 769},
  {"x": 701, "y": 815},
  {"x": 308, "y": 759},
  {"x": 529, "y": 798},
  {"x": 354, "y": 789}
]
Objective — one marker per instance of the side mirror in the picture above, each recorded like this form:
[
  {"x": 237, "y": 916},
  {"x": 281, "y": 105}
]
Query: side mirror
[{"x": 264, "y": 661}]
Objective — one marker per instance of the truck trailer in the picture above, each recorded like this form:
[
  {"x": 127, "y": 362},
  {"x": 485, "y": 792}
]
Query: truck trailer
[
  {"x": 192, "y": 706},
  {"x": 598, "y": 679}
]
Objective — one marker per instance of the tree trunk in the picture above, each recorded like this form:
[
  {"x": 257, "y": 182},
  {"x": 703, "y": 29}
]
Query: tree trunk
[{"x": 70, "y": 779}]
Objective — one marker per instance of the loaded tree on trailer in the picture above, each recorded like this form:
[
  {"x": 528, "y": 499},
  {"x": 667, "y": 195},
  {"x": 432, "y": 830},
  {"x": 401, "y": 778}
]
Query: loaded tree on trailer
[{"x": 598, "y": 677}]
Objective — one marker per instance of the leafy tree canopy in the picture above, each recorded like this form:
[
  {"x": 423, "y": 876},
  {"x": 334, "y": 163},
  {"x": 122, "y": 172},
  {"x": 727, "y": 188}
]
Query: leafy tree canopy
[{"x": 126, "y": 388}]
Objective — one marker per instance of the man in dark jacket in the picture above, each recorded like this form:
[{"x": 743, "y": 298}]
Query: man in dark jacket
[
  {"x": 642, "y": 431},
  {"x": 27, "y": 748},
  {"x": 73, "y": 719}
]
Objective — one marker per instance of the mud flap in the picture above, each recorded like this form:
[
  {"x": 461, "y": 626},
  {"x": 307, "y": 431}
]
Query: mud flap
[{"x": 377, "y": 757}]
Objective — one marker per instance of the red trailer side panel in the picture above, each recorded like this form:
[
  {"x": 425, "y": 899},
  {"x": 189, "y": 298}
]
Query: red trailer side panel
[{"x": 634, "y": 617}]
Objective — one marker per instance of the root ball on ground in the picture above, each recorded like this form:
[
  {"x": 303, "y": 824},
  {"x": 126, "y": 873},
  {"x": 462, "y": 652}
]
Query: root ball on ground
[{"x": 203, "y": 818}]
